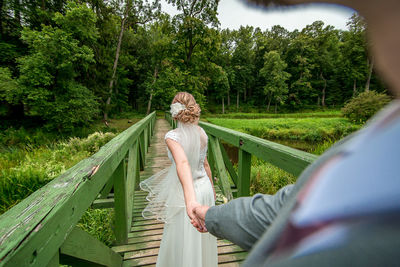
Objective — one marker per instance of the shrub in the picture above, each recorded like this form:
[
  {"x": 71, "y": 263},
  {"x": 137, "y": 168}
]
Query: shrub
[
  {"x": 24, "y": 171},
  {"x": 99, "y": 223},
  {"x": 268, "y": 179},
  {"x": 364, "y": 106},
  {"x": 91, "y": 144}
]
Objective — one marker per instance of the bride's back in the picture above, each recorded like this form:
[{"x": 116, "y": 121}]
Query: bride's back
[{"x": 193, "y": 140}]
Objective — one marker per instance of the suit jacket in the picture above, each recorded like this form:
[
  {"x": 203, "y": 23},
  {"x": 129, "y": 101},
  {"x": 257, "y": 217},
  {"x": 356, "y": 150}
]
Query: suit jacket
[{"x": 343, "y": 210}]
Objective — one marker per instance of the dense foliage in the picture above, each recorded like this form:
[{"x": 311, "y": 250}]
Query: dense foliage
[
  {"x": 362, "y": 107},
  {"x": 68, "y": 62}
]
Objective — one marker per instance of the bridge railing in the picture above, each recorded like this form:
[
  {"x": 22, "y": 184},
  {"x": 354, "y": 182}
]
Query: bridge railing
[
  {"x": 288, "y": 159},
  {"x": 42, "y": 231}
]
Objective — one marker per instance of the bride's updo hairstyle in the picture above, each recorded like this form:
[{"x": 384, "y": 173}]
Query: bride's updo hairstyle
[{"x": 192, "y": 111}]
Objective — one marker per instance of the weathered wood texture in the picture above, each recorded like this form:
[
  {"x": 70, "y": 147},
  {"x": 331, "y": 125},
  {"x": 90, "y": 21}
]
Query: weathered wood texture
[
  {"x": 80, "y": 248},
  {"x": 243, "y": 184},
  {"x": 32, "y": 232},
  {"x": 145, "y": 235},
  {"x": 121, "y": 204},
  {"x": 223, "y": 180}
]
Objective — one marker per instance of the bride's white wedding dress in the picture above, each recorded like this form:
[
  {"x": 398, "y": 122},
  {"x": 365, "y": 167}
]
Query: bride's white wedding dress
[{"x": 181, "y": 244}]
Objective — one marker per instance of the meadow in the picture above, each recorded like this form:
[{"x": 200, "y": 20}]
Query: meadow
[
  {"x": 310, "y": 132},
  {"x": 30, "y": 158}
]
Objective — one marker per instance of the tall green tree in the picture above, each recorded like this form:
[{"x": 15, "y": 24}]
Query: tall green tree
[
  {"x": 300, "y": 58},
  {"x": 192, "y": 23},
  {"x": 49, "y": 74},
  {"x": 161, "y": 49},
  {"x": 243, "y": 62},
  {"x": 135, "y": 12},
  {"x": 10, "y": 91},
  {"x": 275, "y": 75},
  {"x": 326, "y": 44},
  {"x": 354, "y": 51}
]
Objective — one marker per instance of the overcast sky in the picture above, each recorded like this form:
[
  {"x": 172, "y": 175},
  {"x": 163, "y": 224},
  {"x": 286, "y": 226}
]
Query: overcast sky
[{"x": 233, "y": 13}]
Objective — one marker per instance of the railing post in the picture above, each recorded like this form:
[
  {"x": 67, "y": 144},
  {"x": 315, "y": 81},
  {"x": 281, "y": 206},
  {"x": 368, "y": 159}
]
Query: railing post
[
  {"x": 137, "y": 166},
  {"x": 107, "y": 188},
  {"x": 154, "y": 123},
  {"x": 243, "y": 184},
  {"x": 120, "y": 204},
  {"x": 210, "y": 158},
  {"x": 132, "y": 177},
  {"x": 146, "y": 139},
  {"x": 82, "y": 249},
  {"x": 55, "y": 261},
  {"x": 142, "y": 151},
  {"x": 149, "y": 134},
  {"x": 228, "y": 165},
  {"x": 151, "y": 128},
  {"x": 223, "y": 180}
]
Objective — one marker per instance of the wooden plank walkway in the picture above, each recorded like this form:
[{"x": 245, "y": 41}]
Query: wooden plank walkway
[{"x": 145, "y": 235}]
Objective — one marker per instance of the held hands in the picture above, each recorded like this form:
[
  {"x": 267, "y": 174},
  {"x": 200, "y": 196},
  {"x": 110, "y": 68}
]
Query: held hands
[
  {"x": 200, "y": 216},
  {"x": 190, "y": 207}
]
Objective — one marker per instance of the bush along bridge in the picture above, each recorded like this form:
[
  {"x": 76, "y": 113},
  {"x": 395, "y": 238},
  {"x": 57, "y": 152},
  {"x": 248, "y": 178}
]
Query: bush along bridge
[{"x": 41, "y": 230}]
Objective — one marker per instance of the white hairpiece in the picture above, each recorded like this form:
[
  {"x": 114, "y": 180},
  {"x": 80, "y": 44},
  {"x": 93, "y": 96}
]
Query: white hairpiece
[{"x": 176, "y": 108}]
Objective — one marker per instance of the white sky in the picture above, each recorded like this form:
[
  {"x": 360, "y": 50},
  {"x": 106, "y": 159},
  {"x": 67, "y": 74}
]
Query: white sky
[{"x": 234, "y": 13}]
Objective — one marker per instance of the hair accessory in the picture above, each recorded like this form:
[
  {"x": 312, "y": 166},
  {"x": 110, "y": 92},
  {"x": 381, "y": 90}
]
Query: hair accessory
[{"x": 176, "y": 108}]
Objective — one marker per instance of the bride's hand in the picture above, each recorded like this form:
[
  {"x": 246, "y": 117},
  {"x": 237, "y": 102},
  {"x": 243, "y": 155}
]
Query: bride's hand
[
  {"x": 190, "y": 207},
  {"x": 200, "y": 213}
]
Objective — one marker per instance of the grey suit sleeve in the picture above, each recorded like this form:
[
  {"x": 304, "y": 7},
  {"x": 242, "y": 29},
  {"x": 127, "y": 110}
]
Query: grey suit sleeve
[{"x": 244, "y": 220}]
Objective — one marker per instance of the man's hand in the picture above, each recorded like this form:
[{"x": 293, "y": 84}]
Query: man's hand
[{"x": 200, "y": 216}]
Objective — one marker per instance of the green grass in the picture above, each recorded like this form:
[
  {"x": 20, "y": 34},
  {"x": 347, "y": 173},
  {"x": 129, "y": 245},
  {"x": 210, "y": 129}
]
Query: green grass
[
  {"x": 99, "y": 223},
  {"x": 310, "y": 134},
  {"x": 38, "y": 137},
  {"x": 29, "y": 159},
  {"x": 23, "y": 171},
  {"x": 267, "y": 179},
  {"x": 299, "y": 129}
]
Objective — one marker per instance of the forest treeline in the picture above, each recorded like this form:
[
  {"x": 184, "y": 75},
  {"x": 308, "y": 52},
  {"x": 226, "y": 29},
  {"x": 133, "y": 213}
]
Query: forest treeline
[{"x": 66, "y": 63}]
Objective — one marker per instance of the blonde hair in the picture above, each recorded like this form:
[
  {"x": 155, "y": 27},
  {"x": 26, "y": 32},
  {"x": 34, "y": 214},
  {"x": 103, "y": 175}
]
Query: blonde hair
[{"x": 192, "y": 111}]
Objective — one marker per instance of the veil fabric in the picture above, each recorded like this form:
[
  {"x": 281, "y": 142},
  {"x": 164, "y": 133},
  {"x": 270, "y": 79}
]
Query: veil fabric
[{"x": 165, "y": 196}]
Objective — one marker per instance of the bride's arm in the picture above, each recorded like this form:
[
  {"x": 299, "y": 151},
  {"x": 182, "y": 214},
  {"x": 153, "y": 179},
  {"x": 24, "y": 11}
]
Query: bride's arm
[
  {"x": 208, "y": 171},
  {"x": 184, "y": 174}
]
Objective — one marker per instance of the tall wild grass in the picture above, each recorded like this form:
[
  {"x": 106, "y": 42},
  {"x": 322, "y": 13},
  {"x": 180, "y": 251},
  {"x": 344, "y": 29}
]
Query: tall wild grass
[{"x": 25, "y": 170}]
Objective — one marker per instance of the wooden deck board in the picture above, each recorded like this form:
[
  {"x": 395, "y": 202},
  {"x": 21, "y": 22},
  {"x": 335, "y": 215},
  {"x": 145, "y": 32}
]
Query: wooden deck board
[{"x": 145, "y": 236}]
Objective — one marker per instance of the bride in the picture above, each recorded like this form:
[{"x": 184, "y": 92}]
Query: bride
[{"x": 174, "y": 192}]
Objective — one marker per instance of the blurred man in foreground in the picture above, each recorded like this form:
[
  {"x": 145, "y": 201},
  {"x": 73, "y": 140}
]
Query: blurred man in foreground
[{"x": 344, "y": 209}]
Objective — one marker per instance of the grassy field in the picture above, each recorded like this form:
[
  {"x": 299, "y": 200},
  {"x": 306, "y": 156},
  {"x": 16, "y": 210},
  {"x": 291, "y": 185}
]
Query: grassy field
[
  {"x": 310, "y": 132},
  {"x": 307, "y": 129},
  {"x": 29, "y": 159}
]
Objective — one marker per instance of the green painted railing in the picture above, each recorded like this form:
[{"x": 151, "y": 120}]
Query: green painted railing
[
  {"x": 289, "y": 159},
  {"x": 41, "y": 230}
]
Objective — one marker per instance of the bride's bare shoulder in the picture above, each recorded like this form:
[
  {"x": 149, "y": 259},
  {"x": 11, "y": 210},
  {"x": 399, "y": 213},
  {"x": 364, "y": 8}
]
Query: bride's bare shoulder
[
  {"x": 202, "y": 130},
  {"x": 172, "y": 134}
]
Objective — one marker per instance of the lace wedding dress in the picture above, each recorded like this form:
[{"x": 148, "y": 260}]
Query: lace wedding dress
[{"x": 181, "y": 244}]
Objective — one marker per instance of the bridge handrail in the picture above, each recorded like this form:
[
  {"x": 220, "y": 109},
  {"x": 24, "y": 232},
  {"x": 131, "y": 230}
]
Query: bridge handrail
[
  {"x": 41, "y": 228},
  {"x": 289, "y": 159}
]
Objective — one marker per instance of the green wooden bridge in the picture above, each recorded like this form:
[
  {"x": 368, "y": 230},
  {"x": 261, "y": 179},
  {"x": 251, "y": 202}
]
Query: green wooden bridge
[{"x": 41, "y": 230}]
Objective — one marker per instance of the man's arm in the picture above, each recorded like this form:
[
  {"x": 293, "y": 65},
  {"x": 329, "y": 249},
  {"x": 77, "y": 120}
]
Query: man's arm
[{"x": 244, "y": 220}]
